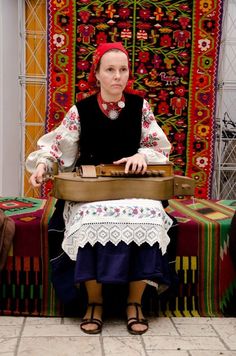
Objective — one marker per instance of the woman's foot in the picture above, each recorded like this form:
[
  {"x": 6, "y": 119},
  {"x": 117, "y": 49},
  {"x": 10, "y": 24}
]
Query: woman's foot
[
  {"x": 92, "y": 321},
  {"x": 136, "y": 323}
]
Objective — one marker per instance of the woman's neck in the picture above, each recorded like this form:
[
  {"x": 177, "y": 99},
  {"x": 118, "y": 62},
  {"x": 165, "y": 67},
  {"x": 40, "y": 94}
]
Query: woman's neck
[{"x": 111, "y": 98}]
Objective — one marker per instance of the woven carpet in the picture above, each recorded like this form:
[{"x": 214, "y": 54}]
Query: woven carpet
[
  {"x": 25, "y": 287},
  {"x": 173, "y": 46},
  {"x": 206, "y": 274}
]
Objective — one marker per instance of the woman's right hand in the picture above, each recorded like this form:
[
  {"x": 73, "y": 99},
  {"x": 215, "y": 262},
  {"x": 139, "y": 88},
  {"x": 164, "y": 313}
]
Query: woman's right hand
[{"x": 37, "y": 178}]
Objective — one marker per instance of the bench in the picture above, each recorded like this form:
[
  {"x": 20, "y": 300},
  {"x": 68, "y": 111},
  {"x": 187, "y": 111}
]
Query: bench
[{"x": 207, "y": 276}]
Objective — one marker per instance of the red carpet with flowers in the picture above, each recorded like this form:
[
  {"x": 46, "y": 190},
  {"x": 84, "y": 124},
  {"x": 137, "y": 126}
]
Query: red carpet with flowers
[{"x": 173, "y": 47}]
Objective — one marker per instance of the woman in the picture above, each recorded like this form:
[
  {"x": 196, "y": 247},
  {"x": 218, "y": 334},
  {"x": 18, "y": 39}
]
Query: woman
[{"x": 122, "y": 241}]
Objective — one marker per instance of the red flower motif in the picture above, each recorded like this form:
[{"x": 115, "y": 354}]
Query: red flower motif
[
  {"x": 165, "y": 41},
  {"x": 180, "y": 148},
  {"x": 163, "y": 95},
  {"x": 201, "y": 80},
  {"x": 58, "y": 79},
  {"x": 143, "y": 56},
  {"x": 142, "y": 69},
  {"x": 124, "y": 13},
  {"x": 180, "y": 90},
  {"x": 182, "y": 70},
  {"x": 84, "y": 15},
  {"x": 209, "y": 25},
  {"x": 83, "y": 65},
  {"x": 145, "y": 14},
  {"x": 163, "y": 108},
  {"x": 101, "y": 37},
  {"x": 184, "y": 21},
  {"x": 180, "y": 136},
  {"x": 83, "y": 85}
]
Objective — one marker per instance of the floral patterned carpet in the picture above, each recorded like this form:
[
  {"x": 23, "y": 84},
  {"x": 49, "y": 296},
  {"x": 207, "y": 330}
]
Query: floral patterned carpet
[{"x": 173, "y": 47}]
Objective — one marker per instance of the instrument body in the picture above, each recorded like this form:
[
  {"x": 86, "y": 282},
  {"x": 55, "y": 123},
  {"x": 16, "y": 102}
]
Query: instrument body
[{"x": 109, "y": 182}]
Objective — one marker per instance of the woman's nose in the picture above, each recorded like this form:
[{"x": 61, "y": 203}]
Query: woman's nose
[{"x": 117, "y": 74}]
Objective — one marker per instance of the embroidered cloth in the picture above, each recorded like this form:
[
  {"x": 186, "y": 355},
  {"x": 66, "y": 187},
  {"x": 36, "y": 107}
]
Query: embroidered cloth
[
  {"x": 138, "y": 220},
  {"x": 173, "y": 48}
]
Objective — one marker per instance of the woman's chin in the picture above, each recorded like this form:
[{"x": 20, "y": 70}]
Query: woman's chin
[{"x": 116, "y": 91}]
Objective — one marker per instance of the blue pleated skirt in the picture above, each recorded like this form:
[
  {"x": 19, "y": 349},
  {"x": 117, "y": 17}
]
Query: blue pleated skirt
[{"x": 122, "y": 263}]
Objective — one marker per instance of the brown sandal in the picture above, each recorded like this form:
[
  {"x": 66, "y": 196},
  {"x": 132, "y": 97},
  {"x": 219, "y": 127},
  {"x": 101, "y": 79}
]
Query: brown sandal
[
  {"x": 92, "y": 320},
  {"x": 136, "y": 320}
]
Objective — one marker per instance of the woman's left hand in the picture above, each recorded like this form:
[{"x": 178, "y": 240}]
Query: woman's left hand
[{"x": 134, "y": 164}]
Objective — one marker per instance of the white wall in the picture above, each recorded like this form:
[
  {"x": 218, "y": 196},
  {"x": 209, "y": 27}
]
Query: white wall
[{"x": 10, "y": 131}]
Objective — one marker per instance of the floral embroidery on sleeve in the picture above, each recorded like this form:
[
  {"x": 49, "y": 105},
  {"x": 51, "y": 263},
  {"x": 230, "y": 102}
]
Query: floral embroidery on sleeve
[
  {"x": 71, "y": 120},
  {"x": 62, "y": 138},
  {"x": 150, "y": 137}
]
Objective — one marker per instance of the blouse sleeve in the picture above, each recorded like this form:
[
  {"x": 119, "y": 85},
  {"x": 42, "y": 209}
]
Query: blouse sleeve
[
  {"x": 59, "y": 145},
  {"x": 154, "y": 143}
]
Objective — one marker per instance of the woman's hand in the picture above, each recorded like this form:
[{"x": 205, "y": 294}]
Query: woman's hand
[
  {"x": 36, "y": 179},
  {"x": 134, "y": 164}
]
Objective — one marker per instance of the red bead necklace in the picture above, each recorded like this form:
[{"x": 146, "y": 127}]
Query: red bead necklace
[{"x": 111, "y": 109}]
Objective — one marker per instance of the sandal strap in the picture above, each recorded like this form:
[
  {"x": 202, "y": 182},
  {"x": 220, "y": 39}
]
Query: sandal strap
[
  {"x": 91, "y": 321},
  {"x": 93, "y": 306},
  {"x": 137, "y": 321},
  {"x": 137, "y": 306}
]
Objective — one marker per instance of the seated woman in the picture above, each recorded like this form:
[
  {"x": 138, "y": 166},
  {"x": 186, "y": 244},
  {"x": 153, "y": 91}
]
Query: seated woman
[{"x": 122, "y": 241}]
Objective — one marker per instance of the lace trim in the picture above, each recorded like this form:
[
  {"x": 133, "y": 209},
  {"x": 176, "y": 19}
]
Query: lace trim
[
  {"x": 115, "y": 233},
  {"x": 131, "y": 220}
]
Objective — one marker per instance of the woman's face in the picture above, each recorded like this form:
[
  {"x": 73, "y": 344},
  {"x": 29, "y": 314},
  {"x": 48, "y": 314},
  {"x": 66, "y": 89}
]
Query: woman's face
[{"x": 113, "y": 74}]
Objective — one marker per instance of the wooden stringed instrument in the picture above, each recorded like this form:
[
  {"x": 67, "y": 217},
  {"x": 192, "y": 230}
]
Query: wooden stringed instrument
[{"x": 108, "y": 182}]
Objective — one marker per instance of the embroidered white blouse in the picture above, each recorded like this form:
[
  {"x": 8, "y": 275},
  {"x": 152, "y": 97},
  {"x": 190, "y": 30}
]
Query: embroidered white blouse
[{"x": 138, "y": 220}]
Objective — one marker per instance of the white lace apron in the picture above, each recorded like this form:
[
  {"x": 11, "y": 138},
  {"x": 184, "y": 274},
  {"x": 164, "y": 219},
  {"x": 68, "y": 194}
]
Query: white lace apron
[{"x": 127, "y": 220}]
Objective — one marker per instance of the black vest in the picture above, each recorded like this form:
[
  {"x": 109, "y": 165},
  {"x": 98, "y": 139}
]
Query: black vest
[{"x": 103, "y": 140}]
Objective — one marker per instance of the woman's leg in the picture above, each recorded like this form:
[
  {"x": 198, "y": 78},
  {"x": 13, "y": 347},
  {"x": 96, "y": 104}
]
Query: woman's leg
[
  {"x": 94, "y": 291},
  {"x": 136, "y": 290}
]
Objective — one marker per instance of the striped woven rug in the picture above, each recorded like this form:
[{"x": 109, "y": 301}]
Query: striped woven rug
[{"x": 207, "y": 277}]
